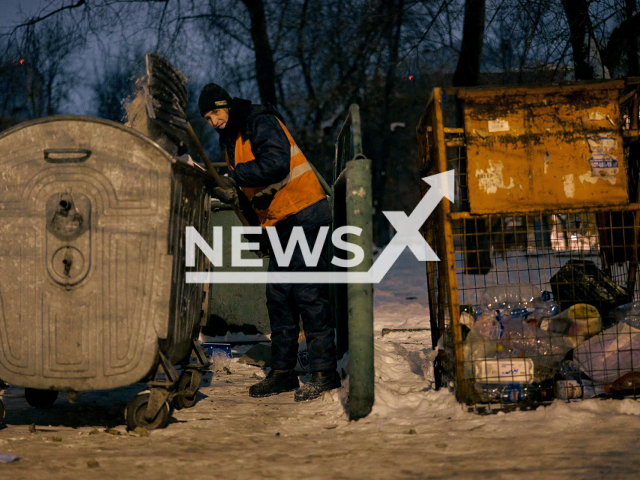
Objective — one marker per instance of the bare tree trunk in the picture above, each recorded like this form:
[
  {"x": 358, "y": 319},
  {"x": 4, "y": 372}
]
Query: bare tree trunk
[
  {"x": 577, "y": 12},
  {"x": 468, "y": 69},
  {"x": 265, "y": 67},
  {"x": 467, "y": 74},
  {"x": 633, "y": 68},
  {"x": 394, "y": 11}
]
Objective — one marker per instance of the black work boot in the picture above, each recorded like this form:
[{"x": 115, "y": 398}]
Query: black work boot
[
  {"x": 320, "y": 382},
  {"x": 277, "y": 381}
]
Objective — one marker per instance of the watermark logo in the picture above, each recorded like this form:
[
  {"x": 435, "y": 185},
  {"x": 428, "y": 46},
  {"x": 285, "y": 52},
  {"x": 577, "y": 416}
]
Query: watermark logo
[{"x": 407, "y": 236}]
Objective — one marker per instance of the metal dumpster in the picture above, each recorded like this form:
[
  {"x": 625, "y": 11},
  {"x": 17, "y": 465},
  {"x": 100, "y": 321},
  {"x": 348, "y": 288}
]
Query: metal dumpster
[
  {"x": 235, "y": 307},
  {"x": 92, "y": 292},
  {"x": 545, "y": 226}
]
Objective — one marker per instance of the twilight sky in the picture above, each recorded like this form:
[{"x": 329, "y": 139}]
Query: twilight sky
[{"x": 10, "y": 10}]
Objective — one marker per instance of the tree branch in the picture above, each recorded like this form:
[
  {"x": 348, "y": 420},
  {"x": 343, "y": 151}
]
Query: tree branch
[{"x": 35, "y": 20}]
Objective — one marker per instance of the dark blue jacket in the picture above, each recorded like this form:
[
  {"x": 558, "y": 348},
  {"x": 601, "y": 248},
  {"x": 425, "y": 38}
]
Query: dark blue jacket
[{"x": 272, "y": 151}]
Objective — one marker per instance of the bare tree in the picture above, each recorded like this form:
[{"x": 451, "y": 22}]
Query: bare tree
[
  {"x": 312, "y": 59},
  {"x": 577, "y": 12},
  {"x": 265, "y": 68},
  {"x": 45, "y": 50},
  {"x": 468, "y": 69}
]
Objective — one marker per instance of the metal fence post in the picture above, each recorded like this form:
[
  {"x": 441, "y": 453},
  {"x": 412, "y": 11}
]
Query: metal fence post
[{"x": 356, "y": 174}]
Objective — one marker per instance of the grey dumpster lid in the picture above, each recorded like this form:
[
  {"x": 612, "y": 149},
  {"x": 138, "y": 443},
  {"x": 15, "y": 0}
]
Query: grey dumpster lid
[{"x": 83, "y": 118}]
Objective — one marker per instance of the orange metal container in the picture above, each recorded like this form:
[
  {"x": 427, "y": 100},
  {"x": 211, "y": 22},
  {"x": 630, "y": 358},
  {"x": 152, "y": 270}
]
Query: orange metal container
[{"x": 555, "y": 146}]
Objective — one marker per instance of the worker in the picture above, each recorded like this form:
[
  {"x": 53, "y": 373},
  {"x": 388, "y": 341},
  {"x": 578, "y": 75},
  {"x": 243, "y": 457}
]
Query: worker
[{"x": 267, "y": 165}]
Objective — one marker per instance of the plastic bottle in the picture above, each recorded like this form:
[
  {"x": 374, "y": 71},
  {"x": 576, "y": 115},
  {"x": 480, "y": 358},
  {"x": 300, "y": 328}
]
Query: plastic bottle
[
  {"x": 481, "y": 342},
  {"x": 507, "y": 296},
  {"x": 578, "y": 389},
  {"x": 546, "y": 349},
  {"x": 573, "y": 383},
  {"x": 543, "y": 307},
  {"x": 518, "y": 302},
  {"x": 628, "y": 313},
  {"x": 578, "y": 322},
  {"x": 514, "y": 392}
]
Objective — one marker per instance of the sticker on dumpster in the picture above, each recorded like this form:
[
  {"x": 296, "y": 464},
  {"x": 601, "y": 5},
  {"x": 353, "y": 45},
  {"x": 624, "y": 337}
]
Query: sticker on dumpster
[
  {"x": 602, "y": 143},
  {"x": 603, "y": 165},
  {"x": 587, "y": 177},
  {"x": 569, "y": 186},
  {"x": 493, "y": 178},
  {"x": 498, "y": 126}
]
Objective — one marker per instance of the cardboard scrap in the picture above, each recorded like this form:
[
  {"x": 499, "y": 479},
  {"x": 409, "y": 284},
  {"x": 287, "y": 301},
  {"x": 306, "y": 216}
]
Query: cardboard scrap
[{"x": 258, "y": 355}]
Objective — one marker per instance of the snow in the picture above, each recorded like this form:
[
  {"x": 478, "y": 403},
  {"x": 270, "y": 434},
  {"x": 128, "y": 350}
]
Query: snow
[
  {"x": 550, "y": 442},
  {"x": 413, "y": 431}
]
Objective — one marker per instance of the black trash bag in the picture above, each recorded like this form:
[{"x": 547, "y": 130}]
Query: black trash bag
[{"x": 581, "y": 281}]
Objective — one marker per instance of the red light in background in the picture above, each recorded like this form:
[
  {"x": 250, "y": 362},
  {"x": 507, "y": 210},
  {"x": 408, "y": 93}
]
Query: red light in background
[
  {"x": 22, "y": 61},
  {"x": 410, "y": 77}
]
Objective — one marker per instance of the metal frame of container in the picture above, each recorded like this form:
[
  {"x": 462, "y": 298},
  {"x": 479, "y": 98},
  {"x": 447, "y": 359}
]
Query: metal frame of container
[{"x": 515, "y": 236}]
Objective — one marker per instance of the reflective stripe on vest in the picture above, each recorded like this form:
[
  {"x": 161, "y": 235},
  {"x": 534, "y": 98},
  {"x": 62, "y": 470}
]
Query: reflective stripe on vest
[
  {"x": 296, "y": 172},
  {"x": 298, "y": 190}
]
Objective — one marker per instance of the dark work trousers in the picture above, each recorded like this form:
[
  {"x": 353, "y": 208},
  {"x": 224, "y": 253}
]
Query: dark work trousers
[{"x": 288, "y": 302}]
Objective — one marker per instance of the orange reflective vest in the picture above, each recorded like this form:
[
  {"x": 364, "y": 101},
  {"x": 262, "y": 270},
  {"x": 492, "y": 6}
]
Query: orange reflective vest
[{"x": 296, "y": 191}]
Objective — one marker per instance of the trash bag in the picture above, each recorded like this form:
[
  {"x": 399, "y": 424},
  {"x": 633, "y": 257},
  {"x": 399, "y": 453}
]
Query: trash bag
[
  {"x": 610, "y": 354},
  {"x": 581, "y": 281}
]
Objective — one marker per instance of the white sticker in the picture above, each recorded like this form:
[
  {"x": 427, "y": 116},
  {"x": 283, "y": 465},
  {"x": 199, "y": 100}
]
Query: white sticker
[
  {"x": 569, "y": 186},
  {"x": 608, "y": 143},
  {"x": 480, "y": 133},
  {"x": 498, "y": 126},
  {"x": 604, "y": 165},
  {"x": 586, "y": 177},
  {"x": 602, "y": 142},
  {"x": 596, "y": 116},
  {"x": 492, "y": 179}
]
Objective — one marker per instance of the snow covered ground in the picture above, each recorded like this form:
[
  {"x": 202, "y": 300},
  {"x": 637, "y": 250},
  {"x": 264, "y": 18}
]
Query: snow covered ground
[
  {"x": 412, "y": 432},
  {"x": 582, "y": 439}
]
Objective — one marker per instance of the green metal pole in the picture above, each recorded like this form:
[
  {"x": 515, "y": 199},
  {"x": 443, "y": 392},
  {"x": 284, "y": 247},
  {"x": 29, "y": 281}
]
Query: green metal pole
[
  {"x": 356, "y": 130},
  {"x": 352, "y": 205},
  {"x": 360, "y": 296}
]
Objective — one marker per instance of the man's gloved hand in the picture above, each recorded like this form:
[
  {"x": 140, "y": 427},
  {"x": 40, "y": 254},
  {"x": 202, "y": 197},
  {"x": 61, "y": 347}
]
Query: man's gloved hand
[{"x": 228, "y": 193}]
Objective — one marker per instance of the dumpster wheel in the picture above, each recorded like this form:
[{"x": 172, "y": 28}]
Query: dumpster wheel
[
  {"x": 40, "y": 398},
  {"x": 136, "y": 409},
  {"x": 189, "y": 383}
]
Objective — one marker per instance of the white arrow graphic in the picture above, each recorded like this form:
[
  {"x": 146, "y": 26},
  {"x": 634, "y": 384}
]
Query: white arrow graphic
[
  {"x": 407, "y": 235},
  {"x": 408, "y": 228}
]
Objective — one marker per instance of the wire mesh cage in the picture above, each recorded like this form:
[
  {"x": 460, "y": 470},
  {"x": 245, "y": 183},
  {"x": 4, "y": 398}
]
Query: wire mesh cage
[{"x": 534, "y": 298}]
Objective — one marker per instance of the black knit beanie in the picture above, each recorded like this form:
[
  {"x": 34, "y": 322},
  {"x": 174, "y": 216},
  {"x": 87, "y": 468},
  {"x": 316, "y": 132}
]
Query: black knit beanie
[{"x": 213, "y": 96}]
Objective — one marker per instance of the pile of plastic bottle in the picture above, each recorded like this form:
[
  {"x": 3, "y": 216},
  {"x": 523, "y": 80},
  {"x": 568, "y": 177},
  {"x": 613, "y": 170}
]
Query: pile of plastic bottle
[{"x": 516, "y": 345}]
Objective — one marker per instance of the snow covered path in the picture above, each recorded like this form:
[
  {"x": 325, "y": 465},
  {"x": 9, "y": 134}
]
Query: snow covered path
[{"x": 413, "y": 431}]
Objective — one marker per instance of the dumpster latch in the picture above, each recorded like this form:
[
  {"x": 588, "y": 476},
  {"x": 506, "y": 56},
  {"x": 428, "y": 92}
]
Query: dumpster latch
[
  {"x": 68, "y": 238},
  {"x": 66, "y": 220}
]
